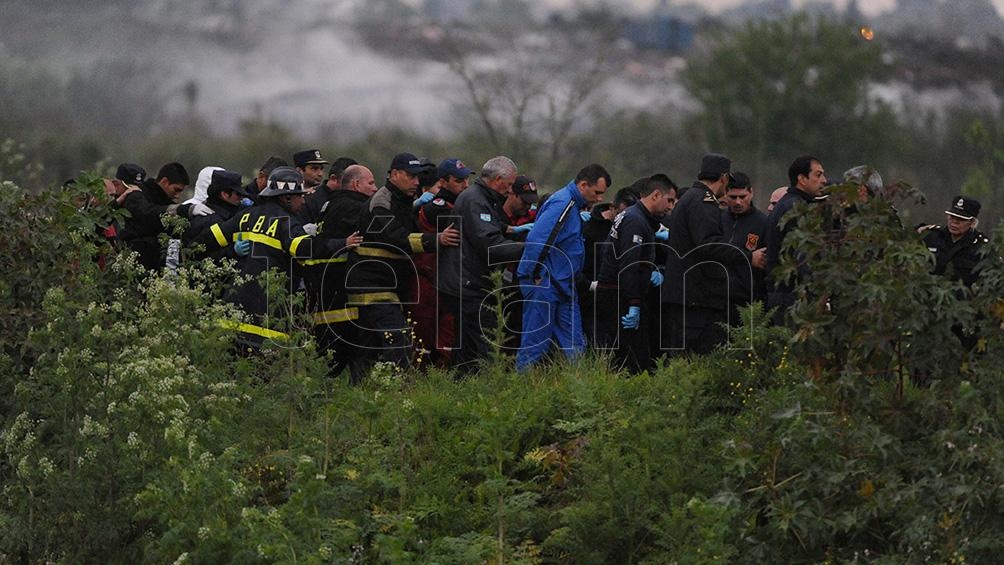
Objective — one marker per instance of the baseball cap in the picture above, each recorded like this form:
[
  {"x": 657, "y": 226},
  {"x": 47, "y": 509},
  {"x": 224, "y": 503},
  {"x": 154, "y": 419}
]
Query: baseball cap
[
  {"x": 453, "y": 168},
  {"x": 525, "y": 188},
  {"x": 223, "y": 180},
  {"x": 406, "y": 162}
]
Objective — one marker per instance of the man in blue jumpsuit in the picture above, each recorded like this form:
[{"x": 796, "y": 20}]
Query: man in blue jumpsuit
[{"x": 552, "y": 258}]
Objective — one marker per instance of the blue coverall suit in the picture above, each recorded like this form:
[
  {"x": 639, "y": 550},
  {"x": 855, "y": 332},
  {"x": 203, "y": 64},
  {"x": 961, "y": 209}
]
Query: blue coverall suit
[{"x": 550, "y": 306}]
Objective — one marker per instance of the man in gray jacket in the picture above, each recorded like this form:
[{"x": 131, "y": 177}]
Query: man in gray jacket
[{"x": 464, "y": 273}]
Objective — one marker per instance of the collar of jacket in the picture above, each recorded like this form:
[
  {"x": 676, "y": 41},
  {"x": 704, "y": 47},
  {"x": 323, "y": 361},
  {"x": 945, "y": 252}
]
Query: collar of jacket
[
  {"x": 801, "y": 194},
  {"x": 491, "y": 194},
  {"x": 398, "y": 194},
  {"x": 748, "y": 211},
  {"x": 646, "y": 214},
  {"x": 699, "y": 185},
  {"x": 156, "y": 194},
  {"x": 573, "y": 189}
]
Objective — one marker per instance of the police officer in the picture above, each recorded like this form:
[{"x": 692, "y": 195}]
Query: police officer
[
  {"x": 697, "y": 285},
  {"x": 807, "y": 178},
  {"x": 267, "y": 236},
  {"x": 464, "y": 271},
  {"x": 381, "y": 268},
  {"x": 257, "y": 184},
  {"x": 627, "y": 271},
  {"x": 957, "y": 245},
  {"x": 311, "y": 164},
  {"x": 743, "y": 226}
]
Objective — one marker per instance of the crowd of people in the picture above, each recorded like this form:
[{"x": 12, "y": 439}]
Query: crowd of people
[{"x": 445, "y": 264}]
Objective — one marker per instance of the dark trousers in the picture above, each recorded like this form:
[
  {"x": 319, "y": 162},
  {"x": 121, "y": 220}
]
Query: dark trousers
[
  {"x": 385, "y": 334},
  {"x": 632, "y": 348},
  {"x": 341, "y": 340},
  {"x": 474, "y": 326},
  {"x": 693, "y": 329}
]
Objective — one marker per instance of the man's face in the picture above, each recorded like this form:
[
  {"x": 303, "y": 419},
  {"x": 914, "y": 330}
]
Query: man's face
[
  {"x": 333, "y": 183},
  {"x": 814, "y": 183},
  {"x": 958, "y": 227},
  {"x": 173, "y": 190},
  {"x": 659, "y": 202},
  {"x": 313, "y": 174},
  {"x": 593, "y": 193},
  {"x": 455, "y": 185},
  {"x": 502, "y": 184},
  {"x": 295, "y": 202},
  {"x": 366, "y": 184},
  {"x": 775, "y": 197},
  {"x": 230, "y": 197},
  {"x": 261, "y": 180},
  {"x": 739, "y": 200},
  {"x": 404, "y": 181},
  {"x": 518, "y": 206}
]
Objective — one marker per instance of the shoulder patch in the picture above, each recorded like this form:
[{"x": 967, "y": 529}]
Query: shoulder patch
[
  {"x": 439, "y": 202},
  {"x": 636, "y": 238},
  {"x": 486, "y": 217}
]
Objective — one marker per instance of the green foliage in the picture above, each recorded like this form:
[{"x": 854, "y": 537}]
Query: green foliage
[
  {"x": 133, "y": 430},
  {"x": 775, "y": 89}
]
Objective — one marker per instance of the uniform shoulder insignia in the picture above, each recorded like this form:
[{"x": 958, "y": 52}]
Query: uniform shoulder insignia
[
  {"x": 922, "y": 229},
  {"x": 710, "y": 198}
]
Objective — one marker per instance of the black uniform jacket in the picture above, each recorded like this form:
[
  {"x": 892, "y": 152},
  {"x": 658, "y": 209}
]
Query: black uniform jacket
[
  {"x": 746, "y": 232},
  {"x": 959, "y": 259},
  {"x": 464, "y": 270},
  {"x": 779, "y": 223},
  {"x": 698, "y": 263},
  {"x": 381, "y": 267},
  {"x": 627, "y": 259}
]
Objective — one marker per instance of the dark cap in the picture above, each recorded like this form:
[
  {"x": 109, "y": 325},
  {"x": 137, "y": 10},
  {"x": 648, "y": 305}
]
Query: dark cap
[
  {"x": 309, "y": 157},
  {"x": 225, "y": 181},
  {"x": 964, "y": 207},
  {"x": 339, "y": 165},
  {"x": 271, "y": 164},
  {"x": 453, "y": 168},
  {"x": 130, "y": 173},
  {"x": 407, "y": 162},
  {"x": 715, "y": 165},
  {"x": 525, "y": 188}
]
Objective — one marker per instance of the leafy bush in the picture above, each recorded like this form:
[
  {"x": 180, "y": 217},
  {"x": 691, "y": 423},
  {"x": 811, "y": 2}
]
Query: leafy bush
[{"x": 134, "y": 431}]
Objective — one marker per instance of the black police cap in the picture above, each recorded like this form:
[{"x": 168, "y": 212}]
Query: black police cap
[
  {"x": 964, "y": 207},
  {"x": 130, "y": 173}
]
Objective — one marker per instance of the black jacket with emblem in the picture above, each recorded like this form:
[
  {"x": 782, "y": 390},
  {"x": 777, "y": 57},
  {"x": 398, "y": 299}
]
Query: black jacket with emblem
[
  {"x": 746, "y": 232},
  {"x": 278, "y": 242},
  {"x": 628, "y": 258},
  {"x": 381, "y": 267},
  {"x": 959, "y": 259},
  {"x": 700, "y": 257},
  {"x": 465, "y": 270}
]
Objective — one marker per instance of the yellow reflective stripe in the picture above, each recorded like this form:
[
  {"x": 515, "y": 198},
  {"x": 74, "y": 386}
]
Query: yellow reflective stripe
[
  {"x": 415, "y": 239},
  {"x": 259, "y": 238},
  {"x": 373, "y": 298},
  {"x": 309, "y": 262},
  {"x": 296, "y": 244},
  {"x": 336, "y": 316},
  {"x": 253, "y": 329},
  {"x": 379, "y": 252},
  {"x": 218, "y": 234}
]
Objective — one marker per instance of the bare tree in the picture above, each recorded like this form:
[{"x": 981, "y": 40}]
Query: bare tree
[{"x": 527, "y": 97}]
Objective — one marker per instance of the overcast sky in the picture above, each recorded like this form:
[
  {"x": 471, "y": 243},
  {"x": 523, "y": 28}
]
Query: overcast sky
[{"x": 870, "y": 7}]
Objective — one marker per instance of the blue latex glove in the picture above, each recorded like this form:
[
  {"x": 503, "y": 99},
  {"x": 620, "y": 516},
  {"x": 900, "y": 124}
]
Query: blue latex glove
[
  {"x": 522, "y": 228},
  {"x": 662, "y": 235},
  {"x": 424, "y": 199},
  {"x": 242, "y": 247},
  {"x": 247, "y": 202},
  {"x": 585, "y": 215},
  {"x": 656, "y": 278},
  {"x": 632, "y": 320}
]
